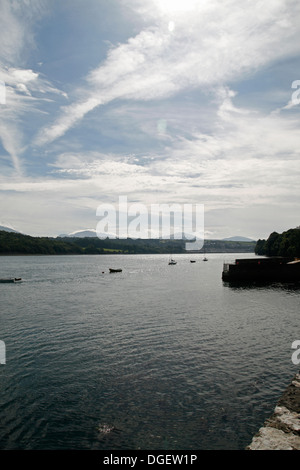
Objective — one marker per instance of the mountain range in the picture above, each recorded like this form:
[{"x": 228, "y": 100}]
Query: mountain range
[
  {"x": 93, "y": 233},
  {"x": 238, "y": 239},
  {"x": 86, "y": 233}
]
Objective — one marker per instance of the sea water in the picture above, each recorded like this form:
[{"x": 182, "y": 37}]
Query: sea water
[{"x": 154, "y": 357}]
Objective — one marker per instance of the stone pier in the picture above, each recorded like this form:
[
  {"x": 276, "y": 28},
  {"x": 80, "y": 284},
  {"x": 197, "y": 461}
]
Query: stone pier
[{"x": 282, "y": 430}]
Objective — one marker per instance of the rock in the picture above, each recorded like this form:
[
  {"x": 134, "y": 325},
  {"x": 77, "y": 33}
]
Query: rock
[
  {"x": 282, "y": 430},
  {"x": 269, "y": 438},
  {"x": 286, "y": 420}
]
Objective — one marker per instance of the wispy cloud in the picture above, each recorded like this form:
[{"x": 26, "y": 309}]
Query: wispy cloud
[
  {"x": 246, "y": 152},
  {"x": 165, "y": 116},
  {"x": 211, "y": 43},
  {"x": 237, "y": 164},
  {"x": 24, "y": 91},
  {"x": 24, "y": 88}
]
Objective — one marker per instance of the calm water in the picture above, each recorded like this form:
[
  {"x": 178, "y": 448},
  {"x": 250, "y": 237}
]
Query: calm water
[{"x": 168, "y": 355}]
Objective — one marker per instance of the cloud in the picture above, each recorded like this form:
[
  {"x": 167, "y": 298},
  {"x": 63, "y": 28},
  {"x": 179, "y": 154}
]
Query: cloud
[
  {"x": 169, "y": 126},
  {"x": 212, "y": 43},
  {"x": 24, "y": 91},
  {"x": 16, "y": 24},
  {"x": 24, "y": 88},
  {"x": 11, "y": 142},
  {"x": 70, "y": 116},
  {"x": 248, "y": 164},
  {"x": 249, "y": 158}
]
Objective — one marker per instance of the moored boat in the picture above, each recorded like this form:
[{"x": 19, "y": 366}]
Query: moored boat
[{"x": 172, "y": 260}]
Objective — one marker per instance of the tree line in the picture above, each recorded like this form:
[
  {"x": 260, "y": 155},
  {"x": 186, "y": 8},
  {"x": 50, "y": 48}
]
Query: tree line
[
  {"x": 284, "y": 244},
  {"x": 12, "y": 243},
  {"x": 17, "y": 243}
]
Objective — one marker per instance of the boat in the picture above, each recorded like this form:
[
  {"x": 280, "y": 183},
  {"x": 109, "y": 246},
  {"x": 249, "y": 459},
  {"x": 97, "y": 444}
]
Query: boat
[
  {"x": 205, "y": 259},
  {"x": 172, "y": 261},
  {"x": 277, "y": 269},
  {"x": 10, "y": 280},
  {"x": 192, "y": 261},
  {"x": 111, "y": 270}
]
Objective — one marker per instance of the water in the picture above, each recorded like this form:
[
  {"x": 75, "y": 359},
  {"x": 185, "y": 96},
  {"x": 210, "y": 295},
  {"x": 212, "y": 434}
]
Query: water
[{"x": 155, "y": 357}]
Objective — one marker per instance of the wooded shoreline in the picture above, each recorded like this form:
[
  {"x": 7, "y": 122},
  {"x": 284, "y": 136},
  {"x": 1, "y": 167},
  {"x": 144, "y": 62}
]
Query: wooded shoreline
[{"x": 19, "y": 244}]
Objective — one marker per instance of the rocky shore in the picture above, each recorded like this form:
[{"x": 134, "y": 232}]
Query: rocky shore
[{"x": 282, "y": 430}]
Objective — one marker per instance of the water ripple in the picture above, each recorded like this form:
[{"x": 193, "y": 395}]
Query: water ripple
[{"x": 153, "y": 358}]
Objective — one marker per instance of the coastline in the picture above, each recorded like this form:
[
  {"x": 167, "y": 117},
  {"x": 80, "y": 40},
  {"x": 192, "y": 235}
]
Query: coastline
[
  {"x": 126, "y": 253},
  {"x": 282, "y": 430}
]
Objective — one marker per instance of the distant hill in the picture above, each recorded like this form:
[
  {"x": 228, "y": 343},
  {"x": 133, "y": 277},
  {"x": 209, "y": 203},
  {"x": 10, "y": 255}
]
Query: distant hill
[
  {"x": 92, "y": 233},
  {"x": 238, "y": 239},
  {"x": 12, "y": 243},
  {"x": 4, "y": 228},
  {"x": 89, "y": 233}
]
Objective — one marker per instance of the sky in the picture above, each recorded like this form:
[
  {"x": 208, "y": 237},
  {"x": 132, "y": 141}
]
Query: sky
[{"x": 160, "y": 101}]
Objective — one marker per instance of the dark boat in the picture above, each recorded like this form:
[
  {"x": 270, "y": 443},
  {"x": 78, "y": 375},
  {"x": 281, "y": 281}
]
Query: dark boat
[
  {"x": 277, "y": 269},
  {"x": 192, "y": 261},
  {"x": 111, "y": 270},
  {"x": 10, "y": 280}
]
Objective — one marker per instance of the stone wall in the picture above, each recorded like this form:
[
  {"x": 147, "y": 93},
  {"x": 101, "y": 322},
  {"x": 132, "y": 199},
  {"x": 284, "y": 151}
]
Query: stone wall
[{"x": 282, "y": 430}]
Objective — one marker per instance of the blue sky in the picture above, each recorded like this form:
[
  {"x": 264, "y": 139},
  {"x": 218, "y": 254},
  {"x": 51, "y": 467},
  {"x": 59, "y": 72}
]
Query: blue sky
[{"x": 162, "y": 101}]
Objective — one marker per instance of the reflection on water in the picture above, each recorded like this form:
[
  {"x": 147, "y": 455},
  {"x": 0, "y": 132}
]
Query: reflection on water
[
  {"x": 271, "y": 285},
  {"x": 154, "y": 357}
]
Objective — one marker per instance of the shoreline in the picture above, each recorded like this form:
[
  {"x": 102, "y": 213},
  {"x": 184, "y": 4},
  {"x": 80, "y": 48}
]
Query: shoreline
[
  {"x": 281, "y": 431},
  {"x": 116, "y": 253}
]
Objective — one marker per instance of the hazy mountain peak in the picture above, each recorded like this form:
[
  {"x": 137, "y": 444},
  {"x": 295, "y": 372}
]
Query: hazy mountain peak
[
  {"x": 87, "y": 233},
  {"x": 238, "y": 239},
  {"x": 5, "y": 228}
]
